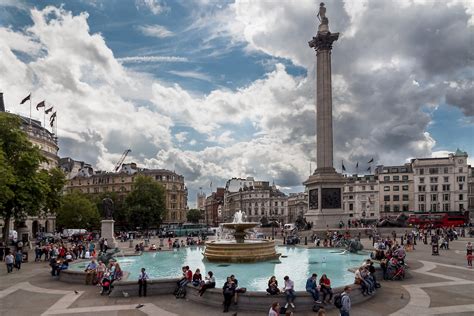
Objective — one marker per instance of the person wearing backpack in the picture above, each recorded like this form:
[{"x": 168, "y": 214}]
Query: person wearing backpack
[{"x": 343, "y": 301}]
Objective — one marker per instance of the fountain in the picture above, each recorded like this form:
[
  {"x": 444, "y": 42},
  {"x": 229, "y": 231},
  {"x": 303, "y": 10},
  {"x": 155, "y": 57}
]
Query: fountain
[{"x": 240, "y": 249}]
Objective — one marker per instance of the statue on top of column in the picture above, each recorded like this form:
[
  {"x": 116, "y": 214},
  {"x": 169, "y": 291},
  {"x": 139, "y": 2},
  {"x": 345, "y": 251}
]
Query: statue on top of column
[{"x": 322, "y": 14}]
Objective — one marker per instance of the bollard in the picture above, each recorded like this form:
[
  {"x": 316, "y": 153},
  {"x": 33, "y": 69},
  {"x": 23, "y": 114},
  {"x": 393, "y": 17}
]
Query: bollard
[
  {"x": 305, "y": 240},
  {"x": 284, "y": 240},
  {"x": 161, "y": 242},
  {"x": 146, "y": 242},
  {"x": 130, "y": 243}
]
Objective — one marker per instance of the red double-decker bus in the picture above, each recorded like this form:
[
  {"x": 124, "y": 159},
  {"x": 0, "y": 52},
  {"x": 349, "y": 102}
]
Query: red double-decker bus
[{"x": 439, "y": 219}]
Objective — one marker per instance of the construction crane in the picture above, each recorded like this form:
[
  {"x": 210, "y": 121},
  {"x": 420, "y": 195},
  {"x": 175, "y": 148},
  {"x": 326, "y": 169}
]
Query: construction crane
[{"x": 120, "y": 162}]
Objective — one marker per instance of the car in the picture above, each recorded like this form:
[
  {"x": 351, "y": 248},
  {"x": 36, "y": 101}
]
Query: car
[
  {"x": 292, "y": 240},
  {"x": 259, "y": 236}
]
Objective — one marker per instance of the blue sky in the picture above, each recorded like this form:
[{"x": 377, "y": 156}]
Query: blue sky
[{"x": 220, "y": 89}]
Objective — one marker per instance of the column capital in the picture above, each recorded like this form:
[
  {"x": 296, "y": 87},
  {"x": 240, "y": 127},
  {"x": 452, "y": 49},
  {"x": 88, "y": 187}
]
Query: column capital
[{"x": 323, "y": 41}]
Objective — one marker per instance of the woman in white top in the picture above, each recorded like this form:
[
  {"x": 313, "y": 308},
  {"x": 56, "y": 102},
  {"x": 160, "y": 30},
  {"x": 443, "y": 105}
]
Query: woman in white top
[{"x": 274, "y": 309}]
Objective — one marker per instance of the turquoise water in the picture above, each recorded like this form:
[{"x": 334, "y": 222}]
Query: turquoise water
[{"x": 299, "y": 264}]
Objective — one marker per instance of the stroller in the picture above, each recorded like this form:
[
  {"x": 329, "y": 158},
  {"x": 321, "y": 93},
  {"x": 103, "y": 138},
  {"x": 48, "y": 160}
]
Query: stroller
[
  {"x": 395, "y": 270},
  {"x": 106, "y": 285}
]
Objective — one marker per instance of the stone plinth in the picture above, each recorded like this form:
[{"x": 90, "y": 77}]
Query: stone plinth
[
  {"x": 107, "y": 232},
  {"x": 231, "y": 251}
]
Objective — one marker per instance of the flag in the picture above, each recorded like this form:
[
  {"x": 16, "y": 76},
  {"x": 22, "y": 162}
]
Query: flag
[
  {"x": 40, "y": 105},
  {"x": 26, "y": 99},
  {"x": 48, "y": 110},
  {"x": 53, "y": 116},
  {"x": 368, "y": 169},
  {"x": 51, "y": 123},
  {"x": 371, "y": 160},
  {"x": 210, "y": 185},
  {"x": 357, "y": 165},
  {"x": 343, "y": 167}
]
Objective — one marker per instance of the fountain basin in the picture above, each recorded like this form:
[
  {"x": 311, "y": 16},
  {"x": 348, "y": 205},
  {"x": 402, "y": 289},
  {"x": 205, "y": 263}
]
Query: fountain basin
[{"x": 235, "y": 252}]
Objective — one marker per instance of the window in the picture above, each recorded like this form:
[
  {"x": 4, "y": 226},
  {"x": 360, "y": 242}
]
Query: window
[
  {"x": 445, "y": 197},
  {"x": 434, "y": 188},
  {"x": 396, "y": 208},
  {"x": 386, "y": 178},
  {"x": 446, "y": 170},
  {"x": 461, "y": 187},
  {"x": 422, "y": 171},
  {"x": 434, "y": 208},
  {"x": 460, "y": 170},
  {"x": 386, "y": 198},
  {"x": 372, "y": 188},
  {"x": 405, "y": 178},
  {"x": 405, "y": 187},
  {"x": 421, "y": 188},
  {"x": 351, "y": 207},
  {"x": 422, "y": 180},
  {"x": 461, "y": 179},
  {"x": 386, "y": 188},
  {"x": 461, "y": 207},
  {"x": 405, "y": 197},
  {"x": 396, "y": 197},
  {"x": 363, "y": 188},
  {"x": 396, "y": 188},
  {"x": 434, "y": 197},
  {"x": 422, "y": 207},
  {"x": 446, "y": 187},
  {"x": 405, "y": 207},
  {"x": 433, "y": 170},
  {"x": 351, "y": 189},
  {"x": 446, "y": 179},
  {"x": 461, "y": 197},
  {"x": 403, "y": 170},
  {"x": 386, "y": 208},
  {"x": 434, "y": 179},
  {"x": 396, "y": 178},
  {"x": 421, "y": 198},
  {"x": 372, "y": 214},
  {"x": 446, "y": 207},
  {"x": 394, "y": 170},
  {"x": 351, "y": 197}
]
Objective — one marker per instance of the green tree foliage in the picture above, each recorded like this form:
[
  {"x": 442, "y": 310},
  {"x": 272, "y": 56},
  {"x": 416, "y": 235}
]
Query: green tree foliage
[
  {"x": 77, "y": 211},
  {"x": 146, "y": 204},
  {"x": 23, "y": 187},
  {"x": 193, "y": 215},
  {"x": 56, "y": 180}
]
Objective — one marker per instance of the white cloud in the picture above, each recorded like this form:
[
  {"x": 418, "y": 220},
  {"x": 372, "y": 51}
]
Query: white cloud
[
  {"x": 191, "y": 74},
  {"x": 155, "y": 6},
  {"x": 181, "y": 137},
  {"x": 155, "y": 31},
  {"x": 152, "y": 59}
]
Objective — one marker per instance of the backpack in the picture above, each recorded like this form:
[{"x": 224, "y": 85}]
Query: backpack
[{"x": 338, "y": 301}]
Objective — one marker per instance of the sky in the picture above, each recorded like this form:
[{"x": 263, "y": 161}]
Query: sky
[{"x": 222, "y": 89}]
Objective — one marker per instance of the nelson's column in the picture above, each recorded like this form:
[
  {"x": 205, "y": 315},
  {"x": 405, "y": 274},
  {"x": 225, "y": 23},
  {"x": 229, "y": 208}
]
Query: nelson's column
[{"x": 325, "y": 186}]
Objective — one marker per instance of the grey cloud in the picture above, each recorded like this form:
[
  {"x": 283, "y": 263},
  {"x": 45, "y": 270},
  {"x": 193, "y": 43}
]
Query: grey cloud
[{"x": 462, "y": 97}]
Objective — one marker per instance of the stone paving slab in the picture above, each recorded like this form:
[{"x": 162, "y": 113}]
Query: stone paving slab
[{"x": 458, "y": 295}]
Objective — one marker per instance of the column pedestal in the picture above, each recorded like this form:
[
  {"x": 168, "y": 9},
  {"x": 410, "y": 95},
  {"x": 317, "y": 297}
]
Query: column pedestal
[{"x": 107, "y": 232}]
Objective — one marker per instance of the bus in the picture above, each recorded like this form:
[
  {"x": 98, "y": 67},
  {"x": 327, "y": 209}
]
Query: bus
[
  {"x": 438, "y": 219},
  {"x": 190, "y": 229}
]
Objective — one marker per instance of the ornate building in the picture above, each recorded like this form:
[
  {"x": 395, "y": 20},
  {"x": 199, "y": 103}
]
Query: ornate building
[
  {"x": 256, "y": 198},
  {"x": 89, "y": 182},
  {"x": 361, "y": 197},
  {"x": 297, "y": 205},
  {"x": 213, "y": 207},
  {"x": 395, "y": 189}
]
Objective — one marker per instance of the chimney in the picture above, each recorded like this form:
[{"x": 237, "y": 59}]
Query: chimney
[{"x": 2, "y": 105}]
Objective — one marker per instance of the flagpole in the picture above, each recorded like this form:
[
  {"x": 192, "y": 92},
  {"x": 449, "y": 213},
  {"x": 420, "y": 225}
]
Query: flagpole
[{"x": 30, "y": 108}]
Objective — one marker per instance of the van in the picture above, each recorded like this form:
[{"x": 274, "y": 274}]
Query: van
[{"x": 289, "y": 227}]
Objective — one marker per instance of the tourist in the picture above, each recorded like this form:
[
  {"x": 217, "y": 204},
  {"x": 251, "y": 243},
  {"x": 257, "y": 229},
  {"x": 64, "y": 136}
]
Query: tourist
[
  {"x": 106, "y": 245},
  {"x": 325, "y": 284},
  {"x": 312, "y": 288},
  {"x": 62, "y": 265},
  {"x": 18, "y": 259},
  {"x": 346, "y": 301},
  {"x": 469, "y": 254},
  {"x": 273, "y": 286},
  {"x": 197, "y": 278},
  {"x": 187, "y": 276},
  {"x": 90, "y": 271},
  {"x": 9, "y": 260},
  {"x": 289, "y": 290},
  {"x": 142, "y": 282},
  {"x": 209, "y": 283},
  {"x": 100, "y": 271},
  {"x": 38, "y": 253},
  {"x": 228, "y": 290},
  {"x": 117, "y": 272},
  {"x": 274, "y": 309}
]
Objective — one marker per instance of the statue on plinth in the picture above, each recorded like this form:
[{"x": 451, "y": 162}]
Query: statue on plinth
[
  {"x": 108, "y": 206},
  {"x": 322, "y": 14}
]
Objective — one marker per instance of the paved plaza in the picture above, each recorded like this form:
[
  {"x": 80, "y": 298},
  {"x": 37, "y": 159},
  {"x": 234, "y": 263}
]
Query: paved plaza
[{"x": 440, "y": 285}]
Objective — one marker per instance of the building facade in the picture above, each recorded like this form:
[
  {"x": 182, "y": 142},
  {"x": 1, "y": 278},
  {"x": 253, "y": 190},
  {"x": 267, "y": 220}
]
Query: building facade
[
  {"x": 441, "y": 184},
  {"x": 395, "y": 189},
  {"x": 122, "y": 182},
  {"x": 361, "y": 197},
  {"x": 256, "y": 198},
  {"x": 213, "y": 207},
  {"x": 201, "y": 200},
  {"x": 470, "y": 192},
  {"x": 297, "y": 205}
]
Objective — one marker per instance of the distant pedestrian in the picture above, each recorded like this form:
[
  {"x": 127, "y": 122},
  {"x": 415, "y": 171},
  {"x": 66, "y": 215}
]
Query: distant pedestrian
[
  {"x": 142, "y": 283},
  {"x": 18, "y": 259},
  {"x": 9, "y": 260}
]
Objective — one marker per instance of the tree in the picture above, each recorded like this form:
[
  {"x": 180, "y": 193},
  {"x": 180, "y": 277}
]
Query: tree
[
  {"x": 145, "y": 204},
  {"x": 56, "y": 180},
  {"x": 194, "y": 216},
  {"x": 23, "y": 187},
  {"x": 77, "y": 211}
]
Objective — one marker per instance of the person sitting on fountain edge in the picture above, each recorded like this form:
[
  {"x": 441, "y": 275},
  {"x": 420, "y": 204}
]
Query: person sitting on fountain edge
[
  {"x": 289, "y": 290},
  {"x": 273, "y": 286},
  {"x": 197, "y": 278},
  {"x": 209, "y": 283},
  {"x": 312, "y": 288}
]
